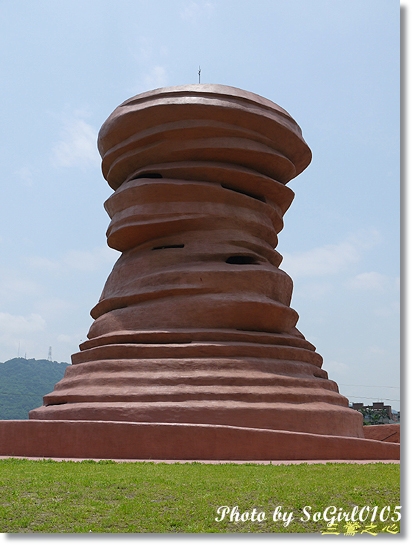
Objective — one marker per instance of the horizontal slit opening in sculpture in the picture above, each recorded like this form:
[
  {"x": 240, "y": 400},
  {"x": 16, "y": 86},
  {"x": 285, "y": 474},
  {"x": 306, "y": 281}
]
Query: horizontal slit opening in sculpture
[
  {"x": 252, "y": 195},
  {"x": 148, "y": 175},
  {"x": 241, "y": 260},
  {"x": 170, "y": 246}
]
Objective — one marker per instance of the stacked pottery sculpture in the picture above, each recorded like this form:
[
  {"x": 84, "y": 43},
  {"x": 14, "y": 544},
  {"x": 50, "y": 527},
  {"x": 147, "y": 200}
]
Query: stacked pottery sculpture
[{"x": 194, "y": 324}]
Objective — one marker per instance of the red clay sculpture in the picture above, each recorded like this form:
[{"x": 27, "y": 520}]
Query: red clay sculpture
[{"x": 194, "y": 351}]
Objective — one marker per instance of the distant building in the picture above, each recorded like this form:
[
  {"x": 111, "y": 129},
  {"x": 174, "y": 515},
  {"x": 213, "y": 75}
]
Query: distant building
[{"x": 377, "y": 413}]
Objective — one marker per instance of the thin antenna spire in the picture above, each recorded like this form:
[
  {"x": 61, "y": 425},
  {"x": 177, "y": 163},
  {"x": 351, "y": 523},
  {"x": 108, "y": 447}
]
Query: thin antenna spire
[{"x": 199, "y": 73}]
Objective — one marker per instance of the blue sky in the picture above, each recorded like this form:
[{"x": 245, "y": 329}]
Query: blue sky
[{"x": 333, "y": 65}]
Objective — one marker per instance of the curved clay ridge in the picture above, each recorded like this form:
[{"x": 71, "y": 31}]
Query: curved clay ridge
[
  {"x": 194, "y": 324},
  {"x": 199, "y": 123}
]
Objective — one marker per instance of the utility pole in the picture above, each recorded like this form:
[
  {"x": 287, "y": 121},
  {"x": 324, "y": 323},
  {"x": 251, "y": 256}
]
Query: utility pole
[
  {"x": 49, "y": 357},
  {"x": 199, "y": 73}
]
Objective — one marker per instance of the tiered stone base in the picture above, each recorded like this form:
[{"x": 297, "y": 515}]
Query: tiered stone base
[
  {"x": 160, "y": 441},
  {"x": 214, "y": 377}
]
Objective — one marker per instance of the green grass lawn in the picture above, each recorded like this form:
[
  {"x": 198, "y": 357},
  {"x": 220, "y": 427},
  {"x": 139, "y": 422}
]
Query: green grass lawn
[{"x": 108, "y": 497}]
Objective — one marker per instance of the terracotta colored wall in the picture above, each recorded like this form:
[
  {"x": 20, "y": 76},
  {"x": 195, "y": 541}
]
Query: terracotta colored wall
[{"x": 179, "y": 442}]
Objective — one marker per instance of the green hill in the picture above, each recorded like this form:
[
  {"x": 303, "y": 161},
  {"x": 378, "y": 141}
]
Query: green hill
[{"x": 23, "y": 383}]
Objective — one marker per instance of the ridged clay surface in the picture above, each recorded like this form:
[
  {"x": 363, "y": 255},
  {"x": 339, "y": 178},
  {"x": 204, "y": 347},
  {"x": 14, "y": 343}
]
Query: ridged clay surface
[{"x": 194, "y": 324}]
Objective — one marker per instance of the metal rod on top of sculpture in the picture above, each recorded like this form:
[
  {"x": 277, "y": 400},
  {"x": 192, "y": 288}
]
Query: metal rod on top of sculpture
[{"x": 194, "y": 324}]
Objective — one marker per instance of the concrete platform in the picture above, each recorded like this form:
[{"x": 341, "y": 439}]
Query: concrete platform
[{"x": 165, "y": 441}]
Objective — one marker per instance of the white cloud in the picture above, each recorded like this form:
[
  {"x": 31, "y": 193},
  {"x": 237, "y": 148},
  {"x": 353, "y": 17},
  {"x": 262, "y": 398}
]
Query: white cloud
[
  {"x": 148, "y": 49},
  {"x": 372, "y": 281},
  {"x": 77, "y": 146},
  {"x": 53, "y": 306},
  {"x": 376, "y": 351},
  {"x": 13, "y": 325},
  {"x": 150, "y": 78},
  {"x": 150, "y": 57},
  {"x": 11, "y": 285},
  {"x": 329, "y": 259},
  {"x": 73, "y": 340},
  {"x": 25, "y": 175},
  {"x": 81, "y": 260},
  {"x": 194, "y": 12},
  {"x": 65, "y": 338},
  {"x": 313, "y": 290},
  {"x": 145, "y": 50},
  {"x": 391, "y": 310},
  {"x": 335, "y": 367},
  {"x": 43, "y": 263},
  {"x": 156, "y": 77},
  {"x": 89, "y": 260}
]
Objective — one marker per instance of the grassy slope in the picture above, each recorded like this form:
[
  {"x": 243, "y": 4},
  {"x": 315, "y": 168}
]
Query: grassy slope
[
  {"x": 107, "y": 497},
  {"x": 23, "y": 383}
]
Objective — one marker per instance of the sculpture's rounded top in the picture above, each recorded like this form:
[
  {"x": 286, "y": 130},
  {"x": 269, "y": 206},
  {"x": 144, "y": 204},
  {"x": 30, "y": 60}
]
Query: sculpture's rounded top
[
  {"x": 206, "y": 89},
  {"x": 202, "y": 124}
]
